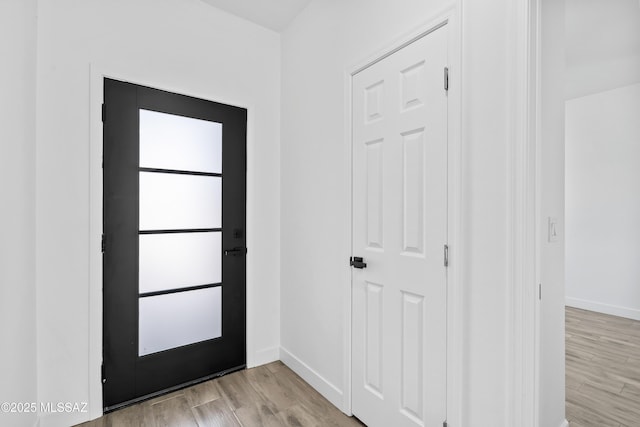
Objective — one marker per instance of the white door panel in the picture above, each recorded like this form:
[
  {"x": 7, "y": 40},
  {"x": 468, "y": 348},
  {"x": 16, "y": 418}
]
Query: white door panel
[{"x": 400, "y": 229}]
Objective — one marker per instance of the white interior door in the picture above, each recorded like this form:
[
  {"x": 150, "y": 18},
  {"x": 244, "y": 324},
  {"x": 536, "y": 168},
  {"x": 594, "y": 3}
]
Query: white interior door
[{"x": 400, "y": 229}]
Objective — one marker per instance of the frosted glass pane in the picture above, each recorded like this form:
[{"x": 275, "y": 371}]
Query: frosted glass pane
[
  {"x": 170, "y": 201},
  {"x": 169, "y": 261},
  {"x": 174, "y": 320},
  {"x": 168, "y": 141}
]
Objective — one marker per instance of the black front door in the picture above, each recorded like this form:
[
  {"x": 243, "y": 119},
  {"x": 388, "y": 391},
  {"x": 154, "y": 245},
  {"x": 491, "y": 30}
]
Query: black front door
[{"x": 174, "y": 241}]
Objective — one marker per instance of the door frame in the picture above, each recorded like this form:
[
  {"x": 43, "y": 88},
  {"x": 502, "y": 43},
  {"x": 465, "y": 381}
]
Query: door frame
[
  {"x": 524, "y": 73},
  {"x": 451, "y": 16},
  {"x": 98, "y": 73}
]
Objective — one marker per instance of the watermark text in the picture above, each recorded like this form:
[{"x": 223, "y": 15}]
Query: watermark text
[{"x": 47, "y": 407}]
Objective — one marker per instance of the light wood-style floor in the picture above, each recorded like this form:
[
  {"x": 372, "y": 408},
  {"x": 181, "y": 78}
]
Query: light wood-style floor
[
  {"x": 271, "y": 396},
  {"x": 602, "y": 388},
  {"x": 602, "y": 370}
]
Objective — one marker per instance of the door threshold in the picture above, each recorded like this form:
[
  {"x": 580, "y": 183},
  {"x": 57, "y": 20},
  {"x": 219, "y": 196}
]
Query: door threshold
[{"x": 108, "y": 409}]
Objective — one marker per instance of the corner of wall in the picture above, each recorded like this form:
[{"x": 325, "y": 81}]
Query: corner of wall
[{"x": 332, "y": 393}]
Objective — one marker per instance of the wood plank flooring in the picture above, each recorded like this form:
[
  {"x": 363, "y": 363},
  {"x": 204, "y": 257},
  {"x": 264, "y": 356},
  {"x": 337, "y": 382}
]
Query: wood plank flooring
[
  {"x": 271, "y": 396},
  {"x": 602, "y": 370},
  {"x": 602, "y": 388}
]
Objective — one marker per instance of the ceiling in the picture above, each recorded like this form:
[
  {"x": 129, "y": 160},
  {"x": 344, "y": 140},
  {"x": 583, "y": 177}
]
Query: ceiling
[
  {"x": 601, "y": 30},
  {"x": 273, "y": 14},
  {"x": 595, "y": 29}
]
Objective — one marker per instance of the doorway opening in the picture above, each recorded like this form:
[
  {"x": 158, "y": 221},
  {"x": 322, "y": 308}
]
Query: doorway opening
[{"x": 602, "y": 211}]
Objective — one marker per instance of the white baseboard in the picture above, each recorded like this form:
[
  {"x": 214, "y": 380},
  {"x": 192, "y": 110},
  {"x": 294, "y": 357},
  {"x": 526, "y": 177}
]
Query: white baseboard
[
  {"x": 614, "y": 310},
  {"x": 332, "y": 393},
  {"x": 264, "y": 356},
  {"x": 565, "y": 424}
]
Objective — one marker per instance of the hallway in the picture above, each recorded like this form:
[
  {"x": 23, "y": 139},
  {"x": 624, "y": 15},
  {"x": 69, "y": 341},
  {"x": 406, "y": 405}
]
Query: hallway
[{"x": 270, "y": 395}]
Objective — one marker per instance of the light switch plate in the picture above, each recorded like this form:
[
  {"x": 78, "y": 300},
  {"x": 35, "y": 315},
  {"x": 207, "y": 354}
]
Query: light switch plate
[{"x": 553, "y": 229}]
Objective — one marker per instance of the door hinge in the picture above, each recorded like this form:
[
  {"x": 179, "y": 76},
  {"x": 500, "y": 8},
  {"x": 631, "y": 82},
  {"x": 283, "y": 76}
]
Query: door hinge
[
  {"x": 540, "y": 291},
  {"x": 102, "y": 244},
  {"x": 104, "y": 112},
  {"x": 444, "y": 424},
  {"x": 104, "y": 378},
  {"x": 446, "y": 255},
  {"x": 446, "y": 78}
]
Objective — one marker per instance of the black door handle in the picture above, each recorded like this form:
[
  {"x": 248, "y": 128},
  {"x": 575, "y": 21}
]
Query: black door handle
[
  {"x": 237, "y": 251},
  {"x": 357, "y": 262}
]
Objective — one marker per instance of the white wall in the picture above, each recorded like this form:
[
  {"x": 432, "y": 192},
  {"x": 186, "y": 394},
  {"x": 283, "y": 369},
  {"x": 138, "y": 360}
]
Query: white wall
[
  {"x": 582, "y": 80},
  {"x": 318, "y": 49},
  {"x": 17, "y": 244},
  {"x": 550, "y": 183},
  {"x": 485, "y": 170},
  {"x": 603, "y": 201},
  {"x": 180, "y": 45}
]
